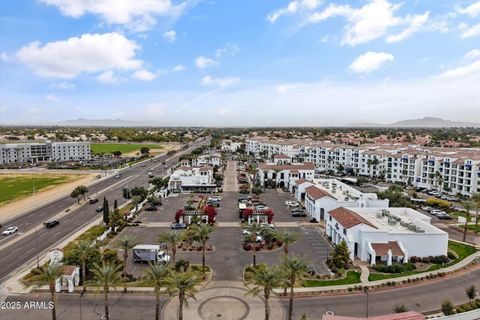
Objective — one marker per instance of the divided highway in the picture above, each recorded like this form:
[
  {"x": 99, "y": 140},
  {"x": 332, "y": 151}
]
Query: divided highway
[{"x": 15, "y": 253}]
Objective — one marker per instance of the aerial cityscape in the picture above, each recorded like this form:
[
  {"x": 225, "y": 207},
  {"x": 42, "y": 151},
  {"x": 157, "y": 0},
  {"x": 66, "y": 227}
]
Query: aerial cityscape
[{"x": 207, "y": 159}]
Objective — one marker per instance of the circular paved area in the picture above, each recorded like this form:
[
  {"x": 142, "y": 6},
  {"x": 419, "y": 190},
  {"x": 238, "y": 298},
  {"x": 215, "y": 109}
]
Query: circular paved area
[{"x": 224, "y": 301}]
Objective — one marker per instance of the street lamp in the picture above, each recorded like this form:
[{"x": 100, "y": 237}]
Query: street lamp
[{"x": 365, "y": 290}]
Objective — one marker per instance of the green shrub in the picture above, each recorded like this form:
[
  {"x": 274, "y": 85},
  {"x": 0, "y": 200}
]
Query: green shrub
[{"x": 395, "y": 268}]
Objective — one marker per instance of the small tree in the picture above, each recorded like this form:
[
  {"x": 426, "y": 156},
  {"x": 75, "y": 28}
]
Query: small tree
[
  {"x": 468, "y": 206},
  {"x": 126, "y": 243},
  {"x": 84, "y": 249},
  {"x": 399, "y": 308},
  {"x": 294, "y": 269},
  {"x": 202, "y": 234},
  {"x": 448, "y": 308},
  {"x": 49, "y": 276},
  {"x": 117, "y": 153},
  {"x": 145, "y": 151},
  {"x": 79, "y": 192},
  {"x": 340, "y": 256},
  {"x": 107, "y": 275},
  {"x": 288, "y": 238},
  {"x": 471, "y": 292},
  {"x": 172, "y": 240},
  {"x": 157, "y": 274},
  {"x": 183, "y": 285}
]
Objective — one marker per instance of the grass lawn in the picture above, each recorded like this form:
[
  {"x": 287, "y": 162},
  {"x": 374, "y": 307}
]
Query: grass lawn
[
  {"x": 462, "y": 250},
  {"x": 351, "y": 277},
  {"x": 381, "y": 276},
  {"x": 19, "y": 186},
  {"x": 122, "y": 147}
]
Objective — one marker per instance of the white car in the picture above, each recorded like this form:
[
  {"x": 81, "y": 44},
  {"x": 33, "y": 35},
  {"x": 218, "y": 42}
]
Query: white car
[
  {"x": 9, "y": 230},
  {"x": 436, "y": 211},
  {"x": 290, "y": 203}
]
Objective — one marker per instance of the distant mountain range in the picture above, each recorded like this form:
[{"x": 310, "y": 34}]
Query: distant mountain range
[
  {"x": 82, "y": 122},
  {"x": 426, "y": 122}
]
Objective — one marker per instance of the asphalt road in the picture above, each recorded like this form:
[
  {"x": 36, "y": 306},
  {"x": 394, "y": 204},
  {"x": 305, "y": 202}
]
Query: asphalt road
[{"x": 20, "y": 252}]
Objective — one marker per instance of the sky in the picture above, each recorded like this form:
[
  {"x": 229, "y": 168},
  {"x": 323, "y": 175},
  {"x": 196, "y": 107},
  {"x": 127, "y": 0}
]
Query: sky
[{"x": 239, "y": 62}]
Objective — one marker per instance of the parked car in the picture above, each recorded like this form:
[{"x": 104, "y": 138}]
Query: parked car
[
  {"x": 298, "y": 213},
  {"x": 176, "y": 225},
  {"x": 99, "y": 209},
  {"x": 436, "y": 211},
  {"x": 444, "y": 216},
  {"x": 9, "y": 231},
  {"x": 151, "y": 208},
  {"x": 290, "y": 203},
  {"x": 426, "y": 208},
  {"x": 93, "y": 201},
  {"x": 51, "y": 223},
  {"x": 118, "y": 176},
  {"x": 261, "y": 207}
]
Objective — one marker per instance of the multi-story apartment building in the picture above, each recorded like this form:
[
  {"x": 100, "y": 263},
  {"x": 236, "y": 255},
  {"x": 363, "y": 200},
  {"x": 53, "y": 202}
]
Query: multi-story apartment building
[
  {"x": 450, "y": 170},
  {"x": 48, "y": 151}
]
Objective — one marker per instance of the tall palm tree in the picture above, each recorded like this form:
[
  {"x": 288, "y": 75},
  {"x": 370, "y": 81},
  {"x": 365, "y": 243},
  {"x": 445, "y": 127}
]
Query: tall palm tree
[
  {"x": 468, "y": 206},
  {"x": 287, "y": 237},
  {"x": 49, "y": 276},
  {"x": 253, "y": 229},
  {"x": 126, "y": 243},
  {"x": 107, "y": 275},
  {"x": 172, "y": 239},
  {"x": 476, "y": 204},
  {"x": 294, "y": 268},
  {"x": 264, "y": 281},
  {"x": 157, "y": 273},
  {"x": 202, "y": 233},
  {"x": 183, "y": 285},
  {"x": 84, "y": 248}
]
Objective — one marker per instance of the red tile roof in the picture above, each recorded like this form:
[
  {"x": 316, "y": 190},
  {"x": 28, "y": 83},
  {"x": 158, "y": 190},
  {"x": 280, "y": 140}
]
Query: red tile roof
[
  {"x": 410, "y": 315},
  {"x": 206, "y": 168},
  {"x": 381, "y": 249},
  {"x": 68, "y": 270},
  {"x": 280, "y": 156},
  {"x": 280, "y": 167},
  {"x": 316, "y": 193},
  {"x": 184, "y": 168},
  {"x": 347, "y": 218}
]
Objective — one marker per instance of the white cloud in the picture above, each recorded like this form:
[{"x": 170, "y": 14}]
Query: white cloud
[
  {"x": 179, "y": 68},
  {"x": 284, "y": 88},
  {"x": 204, "y": 62},
  {"x": 473, "y": 54},
  {"x": 107, "y": 77},
  {"x": 472, "y": 69},
  {"x": 170, "y": 36},
  {"x": 219, "y": 82},
  {"x": 64, "y": 85},
  {"x": 372, "y": 21},
  {"x": 89, "y": 53},
  {"x": 228, "y": 50},
  {"x": 292, "y": 8},
  {"x": 472, "y": 10},
  {"x": 52, "y": 97},
  {"x": 416, "y": 23},
  {"x": 370, "y": 61},
  {"x": 144, "y": 75},
  {"x": 137, "y": 15},
  {"x": 469, "y": 31}
]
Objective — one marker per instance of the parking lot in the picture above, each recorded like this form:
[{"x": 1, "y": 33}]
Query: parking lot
[{"x": 228, "y": 258}]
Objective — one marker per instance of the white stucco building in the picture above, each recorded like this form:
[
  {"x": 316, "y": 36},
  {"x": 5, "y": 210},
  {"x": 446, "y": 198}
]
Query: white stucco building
[
  {"x": 385, "y": 234},
  {"x": 284, "y": 175},
  {"x": 188, "y": 179},
  {"x": 322, "y": 195},
  {"x": 47, "y": 151}
]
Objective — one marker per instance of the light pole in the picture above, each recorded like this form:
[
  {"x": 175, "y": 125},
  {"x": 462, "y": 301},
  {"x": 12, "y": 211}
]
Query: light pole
[{"x": 365, "y": 290}]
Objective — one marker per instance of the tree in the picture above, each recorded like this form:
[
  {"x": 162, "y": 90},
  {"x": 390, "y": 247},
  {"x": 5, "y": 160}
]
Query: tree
[
  {"x": 115, "y": 205},
  {"x": 117, "y": 153},
  {"x": 294, "y": 269},
  {"x": 84, "y": 248},
  {"x": 399, "y": 308},
  {"x": 201, "y": 233},
  {"x": 340, "y": 256},
  {"x": 253, "y": 229},
  {"x": 126, "y": 193},
  {"x": 78, "y": 192},
  {"x": 126, "y": 243},
  {"x": 140, "y": 192},
  {"x": 467, "y": 205},
  {"x": 288, "y": 238},
  {"x": 145, "y": 151},
  {"x": 159, "y": 182},
  {"x": 49, "y": 276},
  {"x": 183, "y": 285},
  {"x": 471, "y": 292},
  {"x": 447, "y": 308},
  {"x": 172, "y": 239},
  {"x": 106, "y": 212},
  {"x": 264, "y": 281},
  {"x": 157, "y": 274},
  {"x": 107, "y": 275},
  {"x": 476, "y": 204}
]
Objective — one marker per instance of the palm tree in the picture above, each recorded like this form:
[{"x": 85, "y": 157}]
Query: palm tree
[
  {"x": 172, "y": 239},
  {"x": 468, "y": 206},
  {"x": 476, "y": 203},
  {"x": 253, "y": 229},
  {"x": 183, "y": 285},
  {"x": 287, "y": 237},
  {"x": 126, "y": 243},
  {"x": 438, "y": 180},
  {"x": 84, "y": 248},
  {"x": 49, "y": 276},
  {"x": 157, "y": 273},
  {"x": 107, "y": 275},
  {"x": 265, "y": 280},
  {"x": 202, "y": 234},
  {"x": 294, "y": 268}
]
